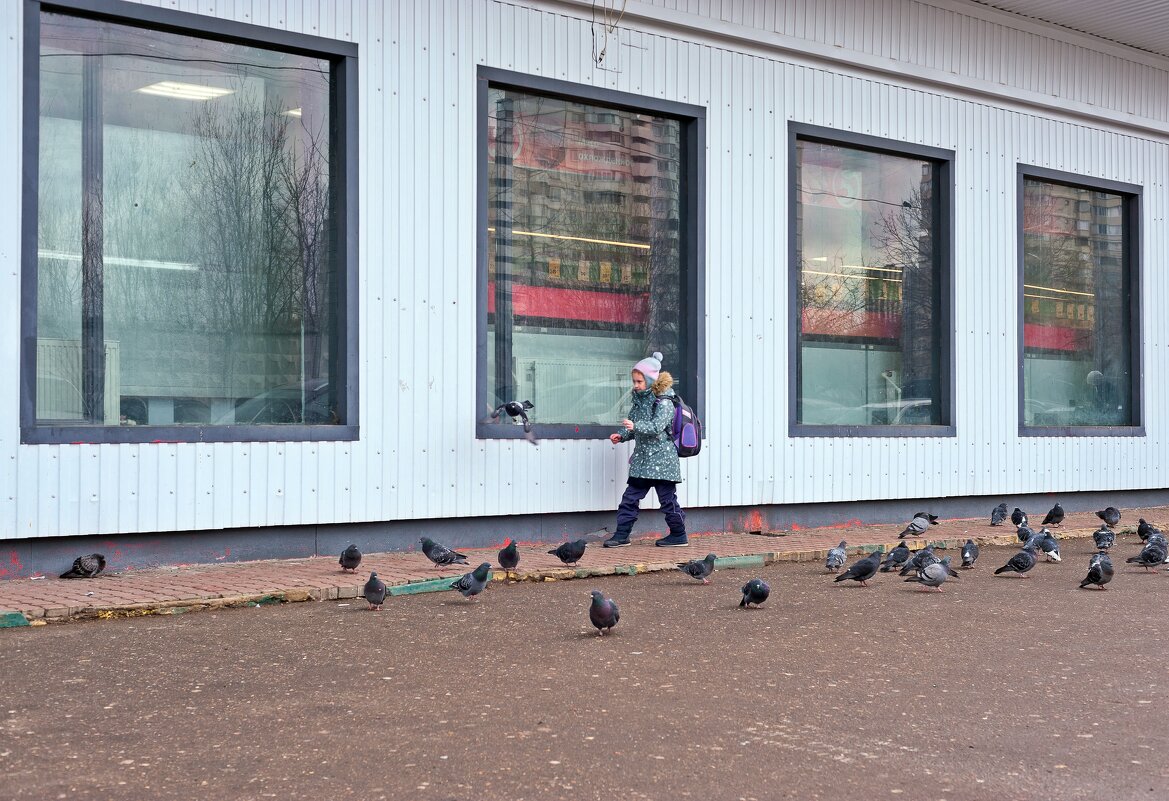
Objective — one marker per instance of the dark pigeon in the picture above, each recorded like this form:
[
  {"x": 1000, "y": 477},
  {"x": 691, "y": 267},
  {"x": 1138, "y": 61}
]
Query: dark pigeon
[
  {"x": 896, "y": 558},
  {"x": 862, "y": 570},
  {"x": 1100, "y": 571},
  {"x": 1020, "y": 563},
  {"x": 1144, "y": 529},
  {"x": 934, "y": 575},
  {"x": 1019, "y": 517},
  {"x": 350, "y": 559},
  {"x": 699, "y": 569},
  {"x": 509, "y": 557},
  {"x": 998, "y": 514},
  {"x": 1104, "y": 537},
  {"x": 969, "y": 554},
  {"x": 1024, "y": 533},
  {"x": 569, "y": 552},
  {"x": 755, "y": 592},
  {"x": 1111, "y": 515},
  {"x": 1151, "y": 555},
  {"x": 920, "y": 559},
  {"x": 932, "y": 518},
  {"x": 374, "y": 591},
  {"x": 473, "y": 583},
  {"x": 836, "y": 557},
  {"x": 603, "y": 613},
  {"x": 440, "y": 554},
  {"x": 515, "y": 409},
  {"x": 1055, "y": 516},
  {"x": 1050, "y": 546},
  {"x": 86, "y": 566}
]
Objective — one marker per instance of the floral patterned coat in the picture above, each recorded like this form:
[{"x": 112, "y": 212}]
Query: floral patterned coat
[{"x": 654, "y": 455}]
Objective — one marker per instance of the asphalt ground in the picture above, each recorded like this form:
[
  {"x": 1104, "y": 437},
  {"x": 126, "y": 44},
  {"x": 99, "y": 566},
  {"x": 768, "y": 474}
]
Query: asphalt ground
[{"x": 999, "y": 687}]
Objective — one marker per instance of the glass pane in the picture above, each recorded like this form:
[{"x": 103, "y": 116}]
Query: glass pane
[
  {"x": 584, "y": 253},
  {"x": 185, "y": 222},
  {"x": 1076, "y": 332},
  {"x": 869, "y": 343}
]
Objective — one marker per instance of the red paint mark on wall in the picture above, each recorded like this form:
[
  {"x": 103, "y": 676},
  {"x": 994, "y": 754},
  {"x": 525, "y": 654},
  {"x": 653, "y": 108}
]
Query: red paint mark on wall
[{"x": 754, "y": 521}]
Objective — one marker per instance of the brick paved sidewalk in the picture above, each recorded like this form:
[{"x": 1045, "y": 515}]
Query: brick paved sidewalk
[{"x": 170, "y": 589}]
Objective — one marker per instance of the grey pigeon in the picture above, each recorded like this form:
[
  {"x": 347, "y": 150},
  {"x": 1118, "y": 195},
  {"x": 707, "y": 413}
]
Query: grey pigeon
[
  {"x": 471, "y": 584},
  {"x": 1110, "y": 515},
  {"x": 86, "y": 566},
  {"x": 1050, "y": 546},
  {"x": 1019, "y": 517},
  {"x": 699, "y": 569},
  {"x": 934, "y": 575},
  {"x": 1151, "y": 555},
  {"x": 896, "y": 558},
  {"x": 1100, "y": 571},
  {"x": 969, "y": 554},
  {"x": 350, "y": 559},
  {"x": 440, "y": 554},
  {"x": 836, "y": 557},
  {"x": 755, "y": 592},
  {"x": 374, "y": 591},
  {"x": 569, "y": 552},
  {"x": 932, "y": 518},
  {"x": 1021, "y": 562},
  {"x": 1055, "y": 516},
  {"x": 509, "y": 557},
  {"x": 1024, "y": 533},
  {"x": 603, "y": 612},
  {"x": 998, "y": 514},
  {"x": 862, "y": 570},
  {"x": 917, "y": 526},
  {"x": 1104, "y": 537},
  {"x": 920, "y": 559}
]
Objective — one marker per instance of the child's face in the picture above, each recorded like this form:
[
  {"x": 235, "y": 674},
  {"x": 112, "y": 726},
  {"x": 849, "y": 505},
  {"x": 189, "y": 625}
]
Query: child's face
[{"x": 638, "y": 380}]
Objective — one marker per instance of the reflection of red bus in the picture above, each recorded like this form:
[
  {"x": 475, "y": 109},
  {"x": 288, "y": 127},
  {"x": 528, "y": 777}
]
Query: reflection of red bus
[{"x": 590, "y": 305}]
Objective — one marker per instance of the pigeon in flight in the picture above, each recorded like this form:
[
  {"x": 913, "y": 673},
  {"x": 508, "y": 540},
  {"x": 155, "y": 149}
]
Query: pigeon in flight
[
  {"x": 920, "y": 559},
  {"x": 917, "y": 526},
  {"x": 1151, "y": 555},
  {"x": 1111, "y": 516},
  {"x": 509, "y": 557},
  {"x": 699, "y": 569},
  {"x": 836, "y": 557},
  {"x": 896, "y": 558},
  {"x": 1021, "y": 562},
  {"x": 86, "y": 566},
  {"x": 934, "y": 575},
  {"x": 603, "y": 613},
  {"x": 998, "y": 514},
  {"x": 473, "y": 583},
  {"x": 374, "y": 591},
  {"x": 514, "y": 409},
  {"x": 440, "y": 554},
  {"x": 1055, "y": 516},
  {"x": 862, "y": 570},
  {"x": 755, "y": 592},
  {"x": 1104, "y": 537},
  {"x": 969, "y": 554},
  {"x": 1019, "y": 517},
  {"x": 350, "y": 559},
  {"x": 569, "y": 552},
  {"x": 1100, "y": 571}
]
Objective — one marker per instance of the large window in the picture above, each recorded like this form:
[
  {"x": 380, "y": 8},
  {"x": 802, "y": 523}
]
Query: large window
[
  {"x": 588, "y": 252},
  {"x": 1078, "y": 310},
  {"x": 186, "y": 239},
  {"x": 870, "y": 277}
]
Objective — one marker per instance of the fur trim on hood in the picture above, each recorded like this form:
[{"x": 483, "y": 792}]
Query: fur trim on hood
[{"x": 664, "y": 382}]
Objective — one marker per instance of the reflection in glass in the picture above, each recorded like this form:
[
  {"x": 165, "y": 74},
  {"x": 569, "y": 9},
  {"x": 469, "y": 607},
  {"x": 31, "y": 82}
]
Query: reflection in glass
[
  {"x": 584, "y": 253},
  {"x": 1076, "y": 329},
  {"x": 867, "y": 243}
]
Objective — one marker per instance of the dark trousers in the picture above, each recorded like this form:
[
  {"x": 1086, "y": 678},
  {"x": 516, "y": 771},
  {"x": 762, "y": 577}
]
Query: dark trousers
[{"x": 668, "y": 497}]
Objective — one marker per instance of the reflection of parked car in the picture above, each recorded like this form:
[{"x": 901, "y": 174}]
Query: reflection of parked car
[{"x": 304, "y": 403}]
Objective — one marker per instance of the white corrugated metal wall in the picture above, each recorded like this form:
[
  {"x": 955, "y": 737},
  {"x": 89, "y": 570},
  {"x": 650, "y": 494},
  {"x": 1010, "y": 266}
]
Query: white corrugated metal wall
[{"x": 418, "y": 456}]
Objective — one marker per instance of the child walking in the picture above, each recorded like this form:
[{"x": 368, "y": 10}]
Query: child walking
[{"x": 654, "y": 464}]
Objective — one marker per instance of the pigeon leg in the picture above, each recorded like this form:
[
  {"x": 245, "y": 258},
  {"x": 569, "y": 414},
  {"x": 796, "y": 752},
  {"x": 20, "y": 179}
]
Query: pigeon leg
[
  {"x": 939, "y": 589},
  {"x": 706, "y": 581}
]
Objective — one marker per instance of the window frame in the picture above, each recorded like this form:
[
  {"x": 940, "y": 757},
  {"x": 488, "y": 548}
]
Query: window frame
[
  {"x": 944, "y": 250},
  {"x": 689, "y": 379},
  {"x": 1130, "y": 218},
  {"x": 343, "y": 56}
]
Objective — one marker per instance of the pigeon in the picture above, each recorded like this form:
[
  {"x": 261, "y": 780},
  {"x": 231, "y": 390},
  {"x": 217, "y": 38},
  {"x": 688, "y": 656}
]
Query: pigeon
[
  {"x": 969, "y": 554},
  {"x": 934, "y": 575},
  {"x": 1021, "y": 562},
  {"x": 471, "y": 584},
  {"x": 1019, "y": 517},
  {"x": 1055, "y": 516},
  {"x": 932, "y": 518},
  {"x": 86, "y": 566},
  {"x": 1024, "y": 532},
  {"x": 440, "y": 554},
  {"x": 1144, "y": 529},
  {"x": 509, "y": 557},
  {"x": 998, "y": 514},
  {"x": 1110, "y": 516},
  {"x": 862, "y": 570},
  {"x": 836, "y": 557},
  {"x": 1105, "y": 538},
  {"x": 603, "y": 613},
  {"x": 374, "y": 591},
  {"x": 350, "y": 559},
  {"x": 755, "y": 592},
  {"x": 1099, "y": 571},
  {"x": 920, "y": 522},
  {"x": 1151, "y": 555},
  {"x": 515, "y": 409},
  {"x": 699, "y": 569},
  {"x": 569, "y": 552},
  {"x": 1049, "y": 545},
  {"x": 920, "y": 559},
  {"x": 896, "y": 558}
]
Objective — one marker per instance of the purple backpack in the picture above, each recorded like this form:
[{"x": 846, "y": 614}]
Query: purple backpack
[{"x": 686, "y": 428}]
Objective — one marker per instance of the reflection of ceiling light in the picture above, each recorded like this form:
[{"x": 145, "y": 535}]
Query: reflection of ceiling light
[
  {"x": 119, "y": 261},
  {"x": 854, "y": 277},
  {"x": 294, "y": 112},
  {"x": 637, "y": 245},
  {"x": 185, "y": 91},
  {"x": 1064, "y": 291}
]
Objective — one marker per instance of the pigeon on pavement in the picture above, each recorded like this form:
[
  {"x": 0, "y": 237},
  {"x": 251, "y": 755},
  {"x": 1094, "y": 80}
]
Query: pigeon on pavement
[
  {"x": 569, "y": 552},
  {"x": 440, "y": 554},
  {"x": 86, "y": 566},
  {"x": 1024, "y": 533},
  {"x": 1110, "y": 515},
  {"x": 473, "y": 583},
  {"x": 1055, "y": 516},
  {"x": 1050, "y": 546},
  {"x": 755, "y": 592},
  {"x": 862, "y": 570},
  {"x": 374, "y": 591},
  {"x": 1100, "y": 571},
  {"x": 969, "y": 554},
  {"x": 603, "y": 613},
  {"x": 509, "y": 557},
  {"x": 934, "y": 575},
  {"x": 836, "y": 557},
  {"x": 1104, "y": 537},
  {"x": 350, "y": 559},
  {"x": 1144, "y": 529},
  {"x": 920, "y": 559},
  {"x": 917, "y": 526},
  {"x": 998, "y": 514},
  {"x": 699, "y": 569},
  {"x": 1021, "y": 562},
  {"x": 1019, "y": 517},
  {"x": 1151, "y": 555},
  {"x": 896, "y": 558}
]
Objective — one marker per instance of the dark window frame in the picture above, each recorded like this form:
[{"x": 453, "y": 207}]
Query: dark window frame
[
  {"x": 691, "y": 381},
  {"x": 944, "y": 253},
  {"x": 1130, "y": 217},
  {"x": 343, "y": 179}
]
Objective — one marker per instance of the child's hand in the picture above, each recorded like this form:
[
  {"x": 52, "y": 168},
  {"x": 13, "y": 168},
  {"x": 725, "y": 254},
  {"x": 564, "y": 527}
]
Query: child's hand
[
  {"x": 614, "y": 438},
  {"x": 628, "y": 424}
]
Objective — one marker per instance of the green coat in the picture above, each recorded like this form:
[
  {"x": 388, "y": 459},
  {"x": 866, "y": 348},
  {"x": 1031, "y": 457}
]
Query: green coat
[{"x": 654, "y": 454}]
